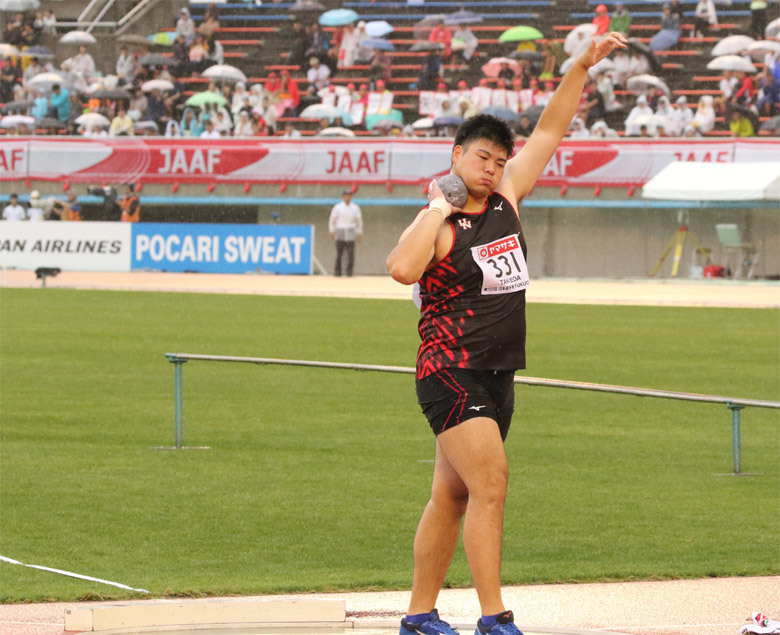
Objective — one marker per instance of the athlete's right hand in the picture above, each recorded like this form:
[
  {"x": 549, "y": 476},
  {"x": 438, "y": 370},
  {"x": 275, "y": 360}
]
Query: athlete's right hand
[{"x": 434, "y": 192}]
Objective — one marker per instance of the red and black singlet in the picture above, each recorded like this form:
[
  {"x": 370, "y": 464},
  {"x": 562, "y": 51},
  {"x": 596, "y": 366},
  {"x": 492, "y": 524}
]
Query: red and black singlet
[{"x": 472, "y": 312}]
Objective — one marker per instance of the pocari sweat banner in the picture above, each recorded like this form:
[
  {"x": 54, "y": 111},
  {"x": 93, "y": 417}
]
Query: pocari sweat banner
[{"x": 212, "y": 248}]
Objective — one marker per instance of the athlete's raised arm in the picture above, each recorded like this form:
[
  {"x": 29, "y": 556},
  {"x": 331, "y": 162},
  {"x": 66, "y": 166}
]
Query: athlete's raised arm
[{"x": 523, "y": 169}]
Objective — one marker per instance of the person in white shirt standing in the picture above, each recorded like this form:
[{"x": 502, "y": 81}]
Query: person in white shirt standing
[
  {"x": 13, "y": 211},
  {"x": 35, "y": 212},
  {"x": 345, "y": 226}
]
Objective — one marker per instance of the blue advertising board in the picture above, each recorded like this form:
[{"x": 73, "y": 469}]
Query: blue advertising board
[{"x": 212, "y": 248}]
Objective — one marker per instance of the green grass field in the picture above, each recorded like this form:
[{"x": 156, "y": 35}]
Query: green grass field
[{"x": 316, "y": 478}]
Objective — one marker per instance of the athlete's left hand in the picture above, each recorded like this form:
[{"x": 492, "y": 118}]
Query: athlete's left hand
[{"x": 599, "y": 49}]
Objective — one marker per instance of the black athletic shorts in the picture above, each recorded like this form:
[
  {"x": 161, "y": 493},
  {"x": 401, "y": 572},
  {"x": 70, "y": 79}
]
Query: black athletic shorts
[{"x": 453, "y": 395}]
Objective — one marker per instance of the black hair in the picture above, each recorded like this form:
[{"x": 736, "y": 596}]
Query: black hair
[{"x": 486, "y": 127}]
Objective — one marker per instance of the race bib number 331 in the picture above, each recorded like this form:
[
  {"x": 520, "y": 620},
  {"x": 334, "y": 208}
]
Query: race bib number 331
[{"x": 503, "y": 266}]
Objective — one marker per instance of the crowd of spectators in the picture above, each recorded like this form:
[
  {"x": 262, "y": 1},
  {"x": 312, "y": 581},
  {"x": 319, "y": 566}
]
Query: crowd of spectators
[{"x": 156, "y": 100}]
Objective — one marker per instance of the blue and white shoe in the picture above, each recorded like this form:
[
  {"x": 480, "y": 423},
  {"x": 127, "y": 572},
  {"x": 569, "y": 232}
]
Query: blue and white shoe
[
  {"x": 432, "y": 626},
  {"x": 505, "y": 625}
]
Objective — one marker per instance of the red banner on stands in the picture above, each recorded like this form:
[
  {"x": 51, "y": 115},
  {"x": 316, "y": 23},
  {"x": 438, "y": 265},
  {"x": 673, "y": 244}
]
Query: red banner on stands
[{"x": 312, "y": 161}]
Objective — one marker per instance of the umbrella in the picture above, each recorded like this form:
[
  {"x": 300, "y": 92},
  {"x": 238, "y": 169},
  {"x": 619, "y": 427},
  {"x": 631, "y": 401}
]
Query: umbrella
[
  {"x": 757, "y": 50},
  {"x": 384, "y": 124},
  {"x": 224, "y": 73},
  {"x": 8, "y": 50},
  {"x": 502, "y": 113},
  {"x": 44, "y": 81},
  {"x": 143, "y": 126},
  {"x": 640, "y": 82},
  {"x": 732, "y": 45},
  {"x": 567, "y": 64},
  {"x": 462, "y": 17},
  {"x": 13, "y": 106},
  {"x": 520, "y": 34},
  {"x": 338, "y": 17},
  {"x": 335, "y": 132},
  {"x": 318, "y": 111},
  {"x": 533, "y": 113},
  {"x": 773, "y": 125},
  {"x": 77, "y": 37},
  {"x": 49, "y": 122},
  {"x": 447, "y": 121},
  {"x": 731, "y": 63},
  {"x": 133, "y": 38},
  {"x": 378, "y": 28},
  {"x": 11, "y": 121},
  {"x": 163, "y": 38},
  {"x": 376, "y": 43},
  {"x": 580, "y": 33},
  {"x": 339, "y": 90},
  {"x": 206, "y": 98},
  {"x": 772, "y": 29},
  {"x": 425, "y": 45},
  {"x": 156, "y": 59},
  {"x": 600, "y": 67},
  {"x": 426, "y": 123},
  {"x": 533, "y": 56},
  {"x": 157, "y": 84},
  {"x": 493, "y": 67},
  {"x": 110, "y": 93},
  {"x": 422, "y": 27},
  {"x": 306, "y": 7},
  {"x": 19, "y": 5},
  {"x": 41, "y": 52},
  {"x": 92, "y": 120},
  {"x": 635, "y": 45}
]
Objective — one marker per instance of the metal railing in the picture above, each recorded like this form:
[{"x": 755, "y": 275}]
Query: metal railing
[{"x": 735, "y": 405}]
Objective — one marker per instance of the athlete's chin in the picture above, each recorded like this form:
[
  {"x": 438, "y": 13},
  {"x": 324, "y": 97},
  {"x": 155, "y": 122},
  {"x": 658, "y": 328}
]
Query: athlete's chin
[{"x": 481, "y": 189}]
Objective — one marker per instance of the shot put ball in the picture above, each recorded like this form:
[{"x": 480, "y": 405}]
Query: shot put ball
[{"x": 454, "y": 190}]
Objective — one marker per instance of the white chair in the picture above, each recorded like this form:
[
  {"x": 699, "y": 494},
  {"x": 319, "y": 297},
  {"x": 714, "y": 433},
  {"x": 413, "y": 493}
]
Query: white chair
[{"x": 747, "y": 254}]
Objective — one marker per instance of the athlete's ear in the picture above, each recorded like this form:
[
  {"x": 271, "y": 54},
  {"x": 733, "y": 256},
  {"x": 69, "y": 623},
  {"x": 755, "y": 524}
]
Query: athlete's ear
[{"x": 457, "y": 152}]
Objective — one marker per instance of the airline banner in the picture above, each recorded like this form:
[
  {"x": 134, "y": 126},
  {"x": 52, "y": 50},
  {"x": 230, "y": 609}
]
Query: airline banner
[{"x": 341, "y": 161}]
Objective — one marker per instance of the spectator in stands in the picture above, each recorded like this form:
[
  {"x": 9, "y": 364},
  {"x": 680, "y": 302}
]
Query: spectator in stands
[
  {"x": 125, "y": 66},
  {"x": 363, "y": 53},
  {"x": 768, "y": 102},
  {"x": 606, "y": 88},
  {"x": 334, "y": 50},
  {"x": 49, "y": 23},
  {"x": 155, "y": 107},
  {"x": 639, "y": 111},
  {"x": 121, "y": 125},
  {"x": 639, "y": 65},
  {"x": 442, "y": 34},
  {"x": 447, "y": 108},
  {"x": 727, "y": 86},
  {"x": 601, "y": 20},
  {"x": 464, "y": 44},
  {"x": 620, "y": 20},
  {"x": 381, "y": 66},
  {"x": 525, "y": 127},
  {"x": 13, "y": 212},
  {"x": 705, "y": 18},
  {"x": 40, "y": 104},
  {"x": 59, "y": 102},
  {"x": 239, "y": 98},
  {"x": 185, "y": 25},
  {"x": 578, "y": 129},
  {"x": 746, "y": 91},
  {"x": 197, "y": 55},
  {"x": 223, "y": 123},
  {"x": 28, "y": 36},
  {"x": 138, "y": 103},
  {"x": 758, "y": 19},
  {"x": 431, "y": 70},
  {"x": 505, "y": 72},
  {"x": 290, "y": 131},
  {"x": 681, "y": 114},
  {"x": 215, "y": 53},
  {"x": 288, "y": 96},
  {"x": 675, "y": 8},
  {"x": 362, "y": 95},
  {"x": 181, "y": 54},
  {"x": 543, "y": 97},
  {"x": 189, "y": 126},
  {"x": 33, "y": 68},
  {"x": 210, "y": 22},
  {"x": 348, "y": 47},
  {"x": 10, "y": 74},
  {"x": 592, "y": 103},
  {"x": 244, "y": 126},
  {"x": 704, "y": 119},
  {"x": 209, "y": 131},
  {"x": 601, "y": 129},
  {"x": 318, "y": 42},
  {"x": 298, "y": 40},
  {"x": 466, "y": 107},
  {"x": 554, "y": 56},
  {"x": 691, "y": 131},
  {"x": 318, "y": 75},
  {"x": 740, "y": 125},
  {"x": 35, "y": 212},
  {"x": 12, "y": 33},
  {"x": 669, "y": 34}
]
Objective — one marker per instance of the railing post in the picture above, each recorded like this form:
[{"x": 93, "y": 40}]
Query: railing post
[
  {"x": 177, "y": 392},
  {"x": 736, "y": 442}
]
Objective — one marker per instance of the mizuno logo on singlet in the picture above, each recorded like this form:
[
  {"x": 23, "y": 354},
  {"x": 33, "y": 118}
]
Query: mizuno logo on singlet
[
  {"x": 499, "y": 207},
  {"x": 477, "y": 408}
]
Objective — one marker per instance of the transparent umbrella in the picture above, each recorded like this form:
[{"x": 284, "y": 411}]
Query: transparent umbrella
[
  {"x": 44, "y": 81},
  {"x": 732, "y": 45},
  {"x": 77, "y": 37},
  {"x": 731, "y": 63},
  {"x": 224, "y": 73},
  {"x": 319, "y": 111},
  {"x": 578, "y": 34},
  {"x": 19, "y": 5},
  {"x": 378, "y": 28},
  {"x": 641, "y": 82},
  {"x": 156, "y": 84},
  {"x": 92, "y": 120},
  {"x": 12, "y": 121}
]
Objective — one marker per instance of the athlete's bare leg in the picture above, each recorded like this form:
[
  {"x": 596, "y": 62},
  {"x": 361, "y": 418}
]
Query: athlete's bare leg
[{"x": 437, "y": 535}]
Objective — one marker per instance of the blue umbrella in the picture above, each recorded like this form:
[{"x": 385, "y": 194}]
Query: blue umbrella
[
  {"x": 462, "y": 17},
  {"x": 376, "y": 43},
  {"x": 378, "y": 28},
  {"x": 320, "y": 111},
  {"x": 41, "y": 52},
  {"x": 338, "y": 17},
  {"x": 501, "y": 112},
  {"x": 447, "y": 121}
]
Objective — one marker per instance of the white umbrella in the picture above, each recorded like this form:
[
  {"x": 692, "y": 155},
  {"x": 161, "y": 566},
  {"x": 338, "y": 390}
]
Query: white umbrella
[
  {"x": 426, "y": 123},
  {"x": 319, "y": 111},
  {"x": 759, "y": 49},
  {"x": 378, "y": 28},
  {"x": 11, "y": 121},
  {"x": 19, "y": 5},
  {"x": 92, "y": 119},
  {"x": 157, "y": 84},
  {"x": 639, "y": 82},
  {"x": 225, "y": 73},
  {"x": 567, "y": 64},
  {"x": 604, "y": 65},
  {"x": 335, "y": 132},
  {"x": 78, "y": 37},
  {"x": 8, "y": 50},
  {"x": 338, "y": 90},
  {"x": 772, "y": 29},
  {"x": 44, "y": 81},
  {"x": 732, "y": 45},
  {"x": 731, "y": 63},
  {"x": 579, "y": 33}
]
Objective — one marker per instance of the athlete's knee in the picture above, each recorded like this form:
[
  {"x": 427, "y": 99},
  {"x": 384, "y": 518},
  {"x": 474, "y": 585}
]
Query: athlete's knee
[
  {"x": 452, "y": 499},
  {"x": 490, "y": 487}
]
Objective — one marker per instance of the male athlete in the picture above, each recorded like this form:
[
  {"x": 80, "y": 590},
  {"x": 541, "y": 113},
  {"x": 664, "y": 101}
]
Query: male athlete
[{"x": 471, "y": 267}]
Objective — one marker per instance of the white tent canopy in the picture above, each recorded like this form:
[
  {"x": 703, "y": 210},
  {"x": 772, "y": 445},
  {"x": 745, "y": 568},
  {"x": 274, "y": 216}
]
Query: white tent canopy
[{"x": 683, "y": 181}]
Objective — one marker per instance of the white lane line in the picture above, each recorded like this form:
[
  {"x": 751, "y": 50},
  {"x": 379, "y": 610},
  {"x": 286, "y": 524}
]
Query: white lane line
[{"x": 72, "y": 575}]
